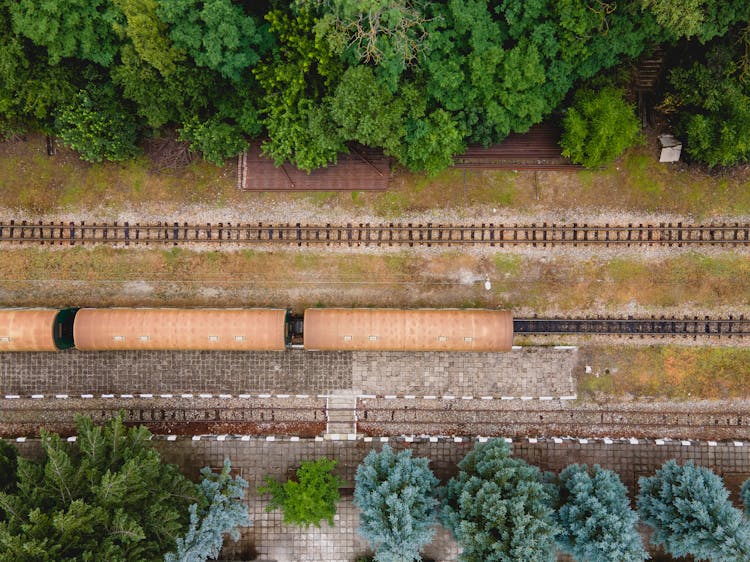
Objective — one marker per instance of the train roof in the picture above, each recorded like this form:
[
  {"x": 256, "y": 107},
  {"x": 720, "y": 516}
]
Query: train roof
[
  {"x": 408, "y": 330},
  {"x": 259, "y": 329},
  {"x": 30, "y": 329}
]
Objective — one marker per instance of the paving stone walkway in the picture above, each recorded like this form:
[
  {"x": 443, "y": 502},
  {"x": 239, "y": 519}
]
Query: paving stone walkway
[
  {"x": 534, "y": 371},
  {"x": 270, "y": 540}
]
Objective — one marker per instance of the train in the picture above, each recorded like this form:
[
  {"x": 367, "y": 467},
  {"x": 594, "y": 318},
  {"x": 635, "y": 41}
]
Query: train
[{"x": 255, "y": 329}]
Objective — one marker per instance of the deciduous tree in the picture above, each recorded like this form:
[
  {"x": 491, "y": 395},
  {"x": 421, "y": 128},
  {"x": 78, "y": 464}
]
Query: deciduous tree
[
  {"x": 310, "y": 498},
  {"x": 598, "y": 127}
]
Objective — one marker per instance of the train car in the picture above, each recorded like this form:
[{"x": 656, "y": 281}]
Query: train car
[
  {"x": 227, "y": 329},
  {"x": 408, "y": 330},
  {"x": 36, "y": 329}
]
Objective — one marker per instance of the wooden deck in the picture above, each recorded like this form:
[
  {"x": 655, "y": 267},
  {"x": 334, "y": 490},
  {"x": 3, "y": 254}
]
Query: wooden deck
[{"x": 360, "y": 170}]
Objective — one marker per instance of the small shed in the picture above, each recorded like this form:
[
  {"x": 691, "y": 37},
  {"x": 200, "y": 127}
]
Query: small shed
[{"x": 671, "y": 148}]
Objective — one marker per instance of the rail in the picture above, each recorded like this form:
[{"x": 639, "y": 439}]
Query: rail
[
  {"x": 366, "y": 234},
  {"x": 694, "y": 326}
]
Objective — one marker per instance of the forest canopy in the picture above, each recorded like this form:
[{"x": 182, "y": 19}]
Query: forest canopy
[{"x": 416, "y": 78}]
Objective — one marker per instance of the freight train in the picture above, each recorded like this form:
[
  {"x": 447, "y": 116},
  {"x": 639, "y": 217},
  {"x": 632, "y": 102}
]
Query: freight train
[{"x": 255, "y": 329}]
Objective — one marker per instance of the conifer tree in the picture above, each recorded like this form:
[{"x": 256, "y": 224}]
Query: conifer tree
[
  {"x": 745, "y": 496},
  {"x": 689, "y": 509},
  {"x": 224, "y": 513},
  {"x": 396, "y": 497},
  {"x": 108, "y": 496},
  {"x": 499, "y": 508},
  {"x": 595, "y": 516}
]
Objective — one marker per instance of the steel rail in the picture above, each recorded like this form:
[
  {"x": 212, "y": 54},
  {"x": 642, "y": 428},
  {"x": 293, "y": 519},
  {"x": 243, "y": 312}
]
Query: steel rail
[
  {"x": 696, "y": 326},
  {"x": 365, "y": 234}
]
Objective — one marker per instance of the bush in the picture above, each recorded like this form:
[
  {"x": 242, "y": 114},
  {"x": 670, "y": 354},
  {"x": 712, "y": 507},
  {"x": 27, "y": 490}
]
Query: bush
[
  {"x": 396, "y": 496},
  {"x": 598, "y": 127},
  {"x": 499, "y": 509},
  {"x": 595, "y": 516},
  {"x": 689, "y": 509},
  {"x": 310, "y": 498}
]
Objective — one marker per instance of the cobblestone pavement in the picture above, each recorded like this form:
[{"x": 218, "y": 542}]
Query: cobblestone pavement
[
  {"x": 269, "y": 539},
  {"x": 536, "y": 371}
]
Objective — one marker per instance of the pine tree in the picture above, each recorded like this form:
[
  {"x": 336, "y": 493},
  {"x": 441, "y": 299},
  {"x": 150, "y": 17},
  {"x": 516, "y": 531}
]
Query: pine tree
[
  {"x": 595, "y": 516},
  {"x": 108, "y": 496},
  {"x": 499, "y": 509},
  {"x": 689, "y": 509},
  {"x": 396, "y": 497},
  {"x": 223, "y": 513},
  {"x": 308, "y": 499}
]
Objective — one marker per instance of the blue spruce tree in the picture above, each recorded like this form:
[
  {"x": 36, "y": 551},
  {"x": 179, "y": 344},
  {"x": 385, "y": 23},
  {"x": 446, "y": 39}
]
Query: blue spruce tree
[
  {"x": 222, "y": 513},
  {"x": 689, "y": 509},
  {"x": 499, "y": 508},
  {"x": 594, "y": 514},
  {"x": 396, "y": 497},
  {"x": 745, "y": 496}
]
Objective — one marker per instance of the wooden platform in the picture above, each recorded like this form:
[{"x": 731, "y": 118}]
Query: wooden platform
[
  {"x": 362, "y": 169},
  {"x": 537, "y": 149}
]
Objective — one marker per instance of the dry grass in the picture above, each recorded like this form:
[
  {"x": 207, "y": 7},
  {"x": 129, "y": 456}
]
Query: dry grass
[
  {"x": 298, "y": 279},
  {"x": 34, "y": 182},
  {"x": 664, "y": 372}
]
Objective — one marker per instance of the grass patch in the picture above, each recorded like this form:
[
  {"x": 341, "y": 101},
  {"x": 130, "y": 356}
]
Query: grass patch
[{"x": 666, "y": 372}]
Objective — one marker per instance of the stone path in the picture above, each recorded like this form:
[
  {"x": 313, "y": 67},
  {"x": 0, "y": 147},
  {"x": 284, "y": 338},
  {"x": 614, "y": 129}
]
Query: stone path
[
  {"x": 531, "y": 371},
  {"x": 270, "y": 539}
]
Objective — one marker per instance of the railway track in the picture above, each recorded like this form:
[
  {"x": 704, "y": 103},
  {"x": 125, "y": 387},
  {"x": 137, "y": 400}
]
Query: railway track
[
  {"x": 365, "y": 234},
  {"x": 388, "y": 417},
  {"x": 695, "y": 326}
]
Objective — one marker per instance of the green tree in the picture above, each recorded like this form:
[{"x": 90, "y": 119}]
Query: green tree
[
  {"x": 222, "y": 512},
  {"x": 703, "y": 19},
  {"x": 215, "y": 139},
  {"x": 396, "y": 497},
  {"x": 8, "y": 467},
  {"x": 690, "y": 511},
  {"x": 710, "y": 98},
  {"x": 70, "y": 28},
  {"x": 216, "y": 33},
  {"x": 499, "y": 508},
  {"x": 106, "y": 497},
  {"x": 295, "y": 79},
  {"x": 598, "y": 127},
  {"x": 97, "y": 126},
  {"x": 310, "y": 498},
  {"x": 593, "y": 511},
  {"x": 386, "y": 33},
  {"x": 149, "y": 35}
]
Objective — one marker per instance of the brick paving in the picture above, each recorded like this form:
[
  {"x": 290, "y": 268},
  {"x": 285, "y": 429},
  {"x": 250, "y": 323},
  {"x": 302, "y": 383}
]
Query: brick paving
[
  {"x": 533, "y": 371},
  {"x": 530, "y": 371},
  {"x": 269, "y": 539}
]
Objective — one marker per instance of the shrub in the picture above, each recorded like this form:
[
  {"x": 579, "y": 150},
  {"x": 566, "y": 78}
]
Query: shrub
[
  {"x": 308, "y": 499},
  {"x": 598, "y": 127}
]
